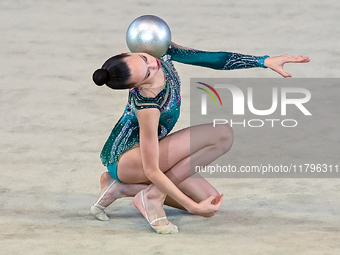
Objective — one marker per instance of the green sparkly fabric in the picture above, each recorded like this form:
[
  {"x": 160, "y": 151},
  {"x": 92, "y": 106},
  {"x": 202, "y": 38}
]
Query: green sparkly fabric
[
  {"x": 216, "y": 60},
  {"x": 125, "y": 133}
]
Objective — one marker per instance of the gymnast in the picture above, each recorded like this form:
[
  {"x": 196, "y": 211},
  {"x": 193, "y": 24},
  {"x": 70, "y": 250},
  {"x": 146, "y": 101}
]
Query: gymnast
[{"x": 144, "y": 160}]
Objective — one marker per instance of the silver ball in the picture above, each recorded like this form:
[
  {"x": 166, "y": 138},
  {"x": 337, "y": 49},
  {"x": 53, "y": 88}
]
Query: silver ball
[{"x": 149, "y": 34}]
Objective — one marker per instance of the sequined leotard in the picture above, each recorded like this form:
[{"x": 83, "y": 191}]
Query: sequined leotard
[{"x": 125, "y": 134}]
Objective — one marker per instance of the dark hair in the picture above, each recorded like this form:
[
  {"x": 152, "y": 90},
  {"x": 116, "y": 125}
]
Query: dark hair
[{"x": 115, "y": 73}]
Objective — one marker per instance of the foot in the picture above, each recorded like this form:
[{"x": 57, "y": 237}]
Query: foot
[
  {"x": 111, "y": 190},
  {"x": 113, "y": 193},
  {"x": 151, "y": 208}
]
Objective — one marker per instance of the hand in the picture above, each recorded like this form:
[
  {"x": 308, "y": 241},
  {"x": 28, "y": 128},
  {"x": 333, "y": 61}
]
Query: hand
[
  {"x": 209, "y": 206},
  {"x": 276, "y": 63}
]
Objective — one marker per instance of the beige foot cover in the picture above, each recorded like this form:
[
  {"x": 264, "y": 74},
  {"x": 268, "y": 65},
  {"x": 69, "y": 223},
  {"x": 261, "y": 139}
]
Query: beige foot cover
[
  {"x": 98, "y": 210},
  {"x": 167, "y": 229}
]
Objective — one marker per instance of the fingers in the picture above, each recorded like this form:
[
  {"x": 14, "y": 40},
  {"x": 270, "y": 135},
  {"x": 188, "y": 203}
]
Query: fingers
[
  {"x": 301, "y": 59},
  {"x": 296, "y": 59},
  {"x": 292, "y": 59},
  {"x": 212, "y": 199},
  {"x": 213, "y": 211},
  {"x": 211, "y": 205},
  {"x": 277, "y": 63},
  {"x": 217, "y": 200}
]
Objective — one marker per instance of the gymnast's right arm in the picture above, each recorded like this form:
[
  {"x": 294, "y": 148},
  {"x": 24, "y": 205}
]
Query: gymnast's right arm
[{"x": 149, "y": 148}]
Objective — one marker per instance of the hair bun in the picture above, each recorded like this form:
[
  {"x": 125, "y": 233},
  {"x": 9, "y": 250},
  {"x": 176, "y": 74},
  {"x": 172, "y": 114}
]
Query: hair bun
[{"x": 100, "y": 77}]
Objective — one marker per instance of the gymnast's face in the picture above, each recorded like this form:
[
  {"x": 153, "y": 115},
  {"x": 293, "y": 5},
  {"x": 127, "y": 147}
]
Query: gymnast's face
[{"x": 143, "y": 68}]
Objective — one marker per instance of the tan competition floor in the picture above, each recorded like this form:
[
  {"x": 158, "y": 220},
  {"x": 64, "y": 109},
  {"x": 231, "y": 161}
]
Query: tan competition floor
[{"x": 54, "y": 122}]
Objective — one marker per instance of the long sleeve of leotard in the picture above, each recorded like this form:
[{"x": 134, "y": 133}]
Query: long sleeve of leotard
[{"x": 216, "y": 60}]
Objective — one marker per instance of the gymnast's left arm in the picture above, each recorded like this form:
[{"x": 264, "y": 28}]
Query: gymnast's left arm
[{"x": 222, "y": 60}]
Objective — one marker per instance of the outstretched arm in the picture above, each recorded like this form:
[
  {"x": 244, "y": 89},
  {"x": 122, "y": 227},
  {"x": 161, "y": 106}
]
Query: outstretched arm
[{"x": 228, "y": 61}]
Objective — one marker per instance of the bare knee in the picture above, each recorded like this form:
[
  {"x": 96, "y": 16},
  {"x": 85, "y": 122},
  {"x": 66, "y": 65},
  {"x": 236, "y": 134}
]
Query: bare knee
[{"x": 224, "y": 137}]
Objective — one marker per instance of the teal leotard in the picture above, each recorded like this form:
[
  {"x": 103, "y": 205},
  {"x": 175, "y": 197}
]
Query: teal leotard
[{"x": 125, "y": 134}]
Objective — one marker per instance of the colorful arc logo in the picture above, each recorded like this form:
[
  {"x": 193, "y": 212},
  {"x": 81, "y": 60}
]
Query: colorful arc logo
[{"x": 209, "y": 93}]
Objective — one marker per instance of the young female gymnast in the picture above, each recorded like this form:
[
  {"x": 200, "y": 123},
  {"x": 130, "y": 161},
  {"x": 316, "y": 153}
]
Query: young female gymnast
[{"x": 143, "y": 160}]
